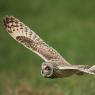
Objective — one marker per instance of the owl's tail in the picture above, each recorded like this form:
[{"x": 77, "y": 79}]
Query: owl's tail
[{"x": 85, "y": 69}]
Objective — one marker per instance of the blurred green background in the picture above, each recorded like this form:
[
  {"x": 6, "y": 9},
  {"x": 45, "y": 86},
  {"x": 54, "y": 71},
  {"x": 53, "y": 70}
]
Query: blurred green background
[{"x": 68, "y": 26}]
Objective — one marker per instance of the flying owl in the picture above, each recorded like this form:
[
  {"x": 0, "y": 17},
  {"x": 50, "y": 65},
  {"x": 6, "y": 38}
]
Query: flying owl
[{"x": 55, "y": 66}]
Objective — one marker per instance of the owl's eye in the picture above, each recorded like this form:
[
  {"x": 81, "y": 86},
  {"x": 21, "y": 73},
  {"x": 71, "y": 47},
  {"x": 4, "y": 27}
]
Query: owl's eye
[{"x": 47, "y": 68}]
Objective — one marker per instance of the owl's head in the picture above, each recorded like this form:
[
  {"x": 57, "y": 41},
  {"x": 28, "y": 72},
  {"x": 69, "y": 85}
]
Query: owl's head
[{"x": 47, "y": 69}]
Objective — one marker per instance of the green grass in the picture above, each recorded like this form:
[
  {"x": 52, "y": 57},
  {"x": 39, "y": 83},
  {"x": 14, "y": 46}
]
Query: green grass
[{"x": 68, "y": 26}]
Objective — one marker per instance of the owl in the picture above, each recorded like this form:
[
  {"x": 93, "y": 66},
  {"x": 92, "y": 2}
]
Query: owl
[{"x": 54, "y": 65}]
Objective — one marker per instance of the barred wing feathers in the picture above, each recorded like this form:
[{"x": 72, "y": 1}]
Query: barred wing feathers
[{"x": 24, "y": 35}]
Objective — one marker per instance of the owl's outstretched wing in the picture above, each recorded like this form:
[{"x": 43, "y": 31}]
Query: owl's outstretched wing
[
  {"x": 27, "y": 37},
  {"x": 51, "y": 70},
  {"x": 79, "y": 69}
]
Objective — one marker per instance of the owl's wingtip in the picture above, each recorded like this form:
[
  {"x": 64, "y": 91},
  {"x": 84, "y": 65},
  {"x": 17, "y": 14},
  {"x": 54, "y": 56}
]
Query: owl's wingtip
[{"x": 7, "y": 20}]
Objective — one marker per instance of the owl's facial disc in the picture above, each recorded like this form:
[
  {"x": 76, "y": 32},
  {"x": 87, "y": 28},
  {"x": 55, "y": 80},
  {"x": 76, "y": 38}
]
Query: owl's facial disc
[{"x": 47, "y": 69}]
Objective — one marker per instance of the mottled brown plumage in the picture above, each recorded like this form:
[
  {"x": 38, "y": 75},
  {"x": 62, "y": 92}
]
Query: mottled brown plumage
[{"x": 55, "y": 65}]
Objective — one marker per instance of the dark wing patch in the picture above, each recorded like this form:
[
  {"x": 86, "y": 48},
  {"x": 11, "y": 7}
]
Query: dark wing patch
[{"x": 27, "y": 42}]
